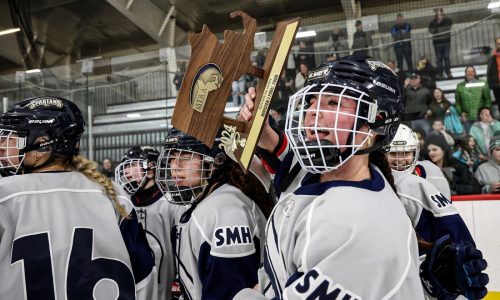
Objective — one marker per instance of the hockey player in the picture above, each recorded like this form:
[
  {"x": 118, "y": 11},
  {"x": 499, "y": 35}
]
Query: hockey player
[
  {"x": 65, "y": 231},
  {"x": 336, "y": 234},
  {"x": 136, "y": 175},
  {"x": 366, "y": 76},
  {"x": 432, "y": 214},
  {"x": 220, "y": 237}
]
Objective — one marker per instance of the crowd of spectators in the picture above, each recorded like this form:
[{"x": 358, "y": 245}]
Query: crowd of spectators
[{"x": 461, "y": 137}]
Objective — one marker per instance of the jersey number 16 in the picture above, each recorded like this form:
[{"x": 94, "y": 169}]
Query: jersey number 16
[{"x": 83, "y": 271}]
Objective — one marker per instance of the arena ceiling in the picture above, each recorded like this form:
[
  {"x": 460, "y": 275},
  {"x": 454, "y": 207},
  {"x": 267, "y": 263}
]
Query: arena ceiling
[{"x": 64, "y": 31}]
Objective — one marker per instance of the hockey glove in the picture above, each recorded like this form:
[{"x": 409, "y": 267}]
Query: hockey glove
[{"x": 450, "y": 270}]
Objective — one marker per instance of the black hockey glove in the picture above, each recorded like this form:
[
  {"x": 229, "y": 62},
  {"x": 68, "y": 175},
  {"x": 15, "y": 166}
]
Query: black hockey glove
[{"x": 450, "y": 270}]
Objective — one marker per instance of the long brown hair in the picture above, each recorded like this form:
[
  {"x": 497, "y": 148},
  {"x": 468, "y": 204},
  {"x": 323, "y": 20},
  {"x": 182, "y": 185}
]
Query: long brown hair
[
  {"x": 379, "y": 159},
  {"x": 230, "y": 172}
]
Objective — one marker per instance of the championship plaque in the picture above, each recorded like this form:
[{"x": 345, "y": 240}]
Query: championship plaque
[{"x": 214, "y": 65}]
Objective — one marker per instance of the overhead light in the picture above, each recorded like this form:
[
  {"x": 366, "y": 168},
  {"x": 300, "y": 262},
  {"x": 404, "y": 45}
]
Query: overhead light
[
  {"x": 493, "y": 5},
  {"x": 33, "y": 71},
  {"x": 302, "y": 34},
  {"x": 7, "y": 31},
  {"x": 135, "y": 115}
]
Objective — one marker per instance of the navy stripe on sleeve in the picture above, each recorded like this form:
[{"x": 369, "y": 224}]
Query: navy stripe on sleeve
[
  {"x": 141, "y": 255},
  {"x": 224, "y": 277}
]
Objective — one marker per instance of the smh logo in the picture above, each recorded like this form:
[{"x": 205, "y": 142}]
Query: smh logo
[
  {"x": 440, "y": 200},
  {"x": 315, "y": 285},
  {"x": 232, "y": 236}
]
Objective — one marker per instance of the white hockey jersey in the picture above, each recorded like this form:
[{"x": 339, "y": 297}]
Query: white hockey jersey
[
  {"x": 219, "y": 245},
  {"x": 428, "y": 170},
  {"x": 157, "y": 217},
  {"x": 432, "y": 214},
  {"x": 340, "y": 240},
  {"x": 61, "y": 238}
]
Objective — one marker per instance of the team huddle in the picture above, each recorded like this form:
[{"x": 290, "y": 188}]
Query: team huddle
[{"x": 352, "y": 219}]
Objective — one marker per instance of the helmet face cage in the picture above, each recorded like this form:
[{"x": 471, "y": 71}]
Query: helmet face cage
[
  {"x": 11, "y": 156},
  {"x": 337, "y": 105},
  {"x": 131, "y": 174},
  {"x": 403, "y": 150},
  {"x": 183, "y": 174}
]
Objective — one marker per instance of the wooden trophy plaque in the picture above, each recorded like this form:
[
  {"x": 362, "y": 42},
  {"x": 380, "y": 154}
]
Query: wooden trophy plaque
[{"x": 207, "y": 85}]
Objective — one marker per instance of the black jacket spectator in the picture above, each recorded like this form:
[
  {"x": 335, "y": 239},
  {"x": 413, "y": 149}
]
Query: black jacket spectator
[
  {"x": 441, "y": 31},
  {"x": 417, "y": 97}
]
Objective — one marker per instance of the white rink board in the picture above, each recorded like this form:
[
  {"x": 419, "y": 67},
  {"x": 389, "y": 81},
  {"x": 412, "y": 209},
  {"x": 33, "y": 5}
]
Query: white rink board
[{"x": 483, "y": 219}]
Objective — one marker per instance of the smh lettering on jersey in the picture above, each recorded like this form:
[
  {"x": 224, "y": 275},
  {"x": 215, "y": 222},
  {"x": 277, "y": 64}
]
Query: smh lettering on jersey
[
  {"x": 232, "y": 236},
  {"x": 440, "y": 200},
  {"x": 316, "y": 285}
]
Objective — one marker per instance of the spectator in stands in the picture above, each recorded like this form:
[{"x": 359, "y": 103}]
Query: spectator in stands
[
  {"x": 421, "y": 142},
  {"x": 107, "y": 168},
  {"x": 439, "y": 128},
  {"x": 461, "y": 180},
  {"x": 488, "y": 173},
  {"x": 470, "y": 95},
  {"x": 339, "y": 42},
  {"x": 305, "y": 55},
  {"x": 484, "y": 129},
  {"x": 278, "y": 113},
  {"x": 466, "y": 152},
  {"x": 493, "y": 73},
  {"x": 401, "y": 75},
  {"x": 238, "y": 90},
  {"x": 179, "y": 75},
  {"x": 361, "y": 40},
  {"x": 439, "y": 106},
  {"x": 301, "y": 76},
  {"x": 440, "y": 28},
  {"x": 286, "y": 86},
  {"x": 427, "y": 73},
  {"x": 331, "y": 57},
  {"x": 261, "y": 57},
  {"x": 417, "y": 98},
  {"x": 402, "y": 46}
]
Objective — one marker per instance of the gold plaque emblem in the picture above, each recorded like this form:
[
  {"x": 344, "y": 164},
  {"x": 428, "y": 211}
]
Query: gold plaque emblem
[
  {"x": 230, "y": 140},
  {"x": 207, "y": 79}
]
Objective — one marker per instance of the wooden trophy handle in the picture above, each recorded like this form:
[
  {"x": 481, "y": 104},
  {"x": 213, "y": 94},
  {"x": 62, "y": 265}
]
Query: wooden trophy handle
[{"x": 243, "y": 144}]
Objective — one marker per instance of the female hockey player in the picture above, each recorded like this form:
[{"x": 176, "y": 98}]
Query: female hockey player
[
  {"x": 136, "y": 175},
  {"x": 327, "y": 148},
  {"x": 433, "y": 215},
  {"x": 335, "y": 234},
  {"x": 218, "y": 245},
  {"x": 65, "y": 231}
]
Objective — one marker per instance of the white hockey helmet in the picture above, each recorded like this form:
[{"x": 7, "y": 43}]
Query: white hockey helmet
[{"x": 403, "y": 150}]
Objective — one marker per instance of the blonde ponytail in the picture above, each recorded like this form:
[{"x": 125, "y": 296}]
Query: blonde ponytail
[{"x": 89, "y": 169}]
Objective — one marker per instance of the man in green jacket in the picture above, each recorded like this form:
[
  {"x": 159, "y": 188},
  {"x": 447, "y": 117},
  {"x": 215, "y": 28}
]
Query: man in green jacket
[{"x": 471, "y": 95}]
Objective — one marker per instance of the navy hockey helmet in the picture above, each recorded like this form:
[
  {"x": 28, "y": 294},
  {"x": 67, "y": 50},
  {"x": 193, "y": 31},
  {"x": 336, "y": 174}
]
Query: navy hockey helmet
[
  {"x": 186, "y": 165},
  {"x": 378, "y": 103},
  {"x": 132, "y": 173},
  {"x": 57, "y": 119}
]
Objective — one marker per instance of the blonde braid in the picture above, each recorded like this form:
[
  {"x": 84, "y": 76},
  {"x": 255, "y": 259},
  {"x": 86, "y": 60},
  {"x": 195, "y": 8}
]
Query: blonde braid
[{"x": 89, "y": 169}]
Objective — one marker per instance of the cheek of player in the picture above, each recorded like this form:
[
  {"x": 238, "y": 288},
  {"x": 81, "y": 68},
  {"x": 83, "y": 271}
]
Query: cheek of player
[
  {"x": 334, "y": 115},
  {"x": 134, "y": 172},
  {"x": 186, "y": 169},
  {"x": 400, "y": 160},
  {"x": 9, "y": 154},
  {"x": 436, "y": 154}
]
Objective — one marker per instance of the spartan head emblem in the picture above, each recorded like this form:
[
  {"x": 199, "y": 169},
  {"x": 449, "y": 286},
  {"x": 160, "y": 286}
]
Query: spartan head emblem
[{"x": 207, "y": 79}]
